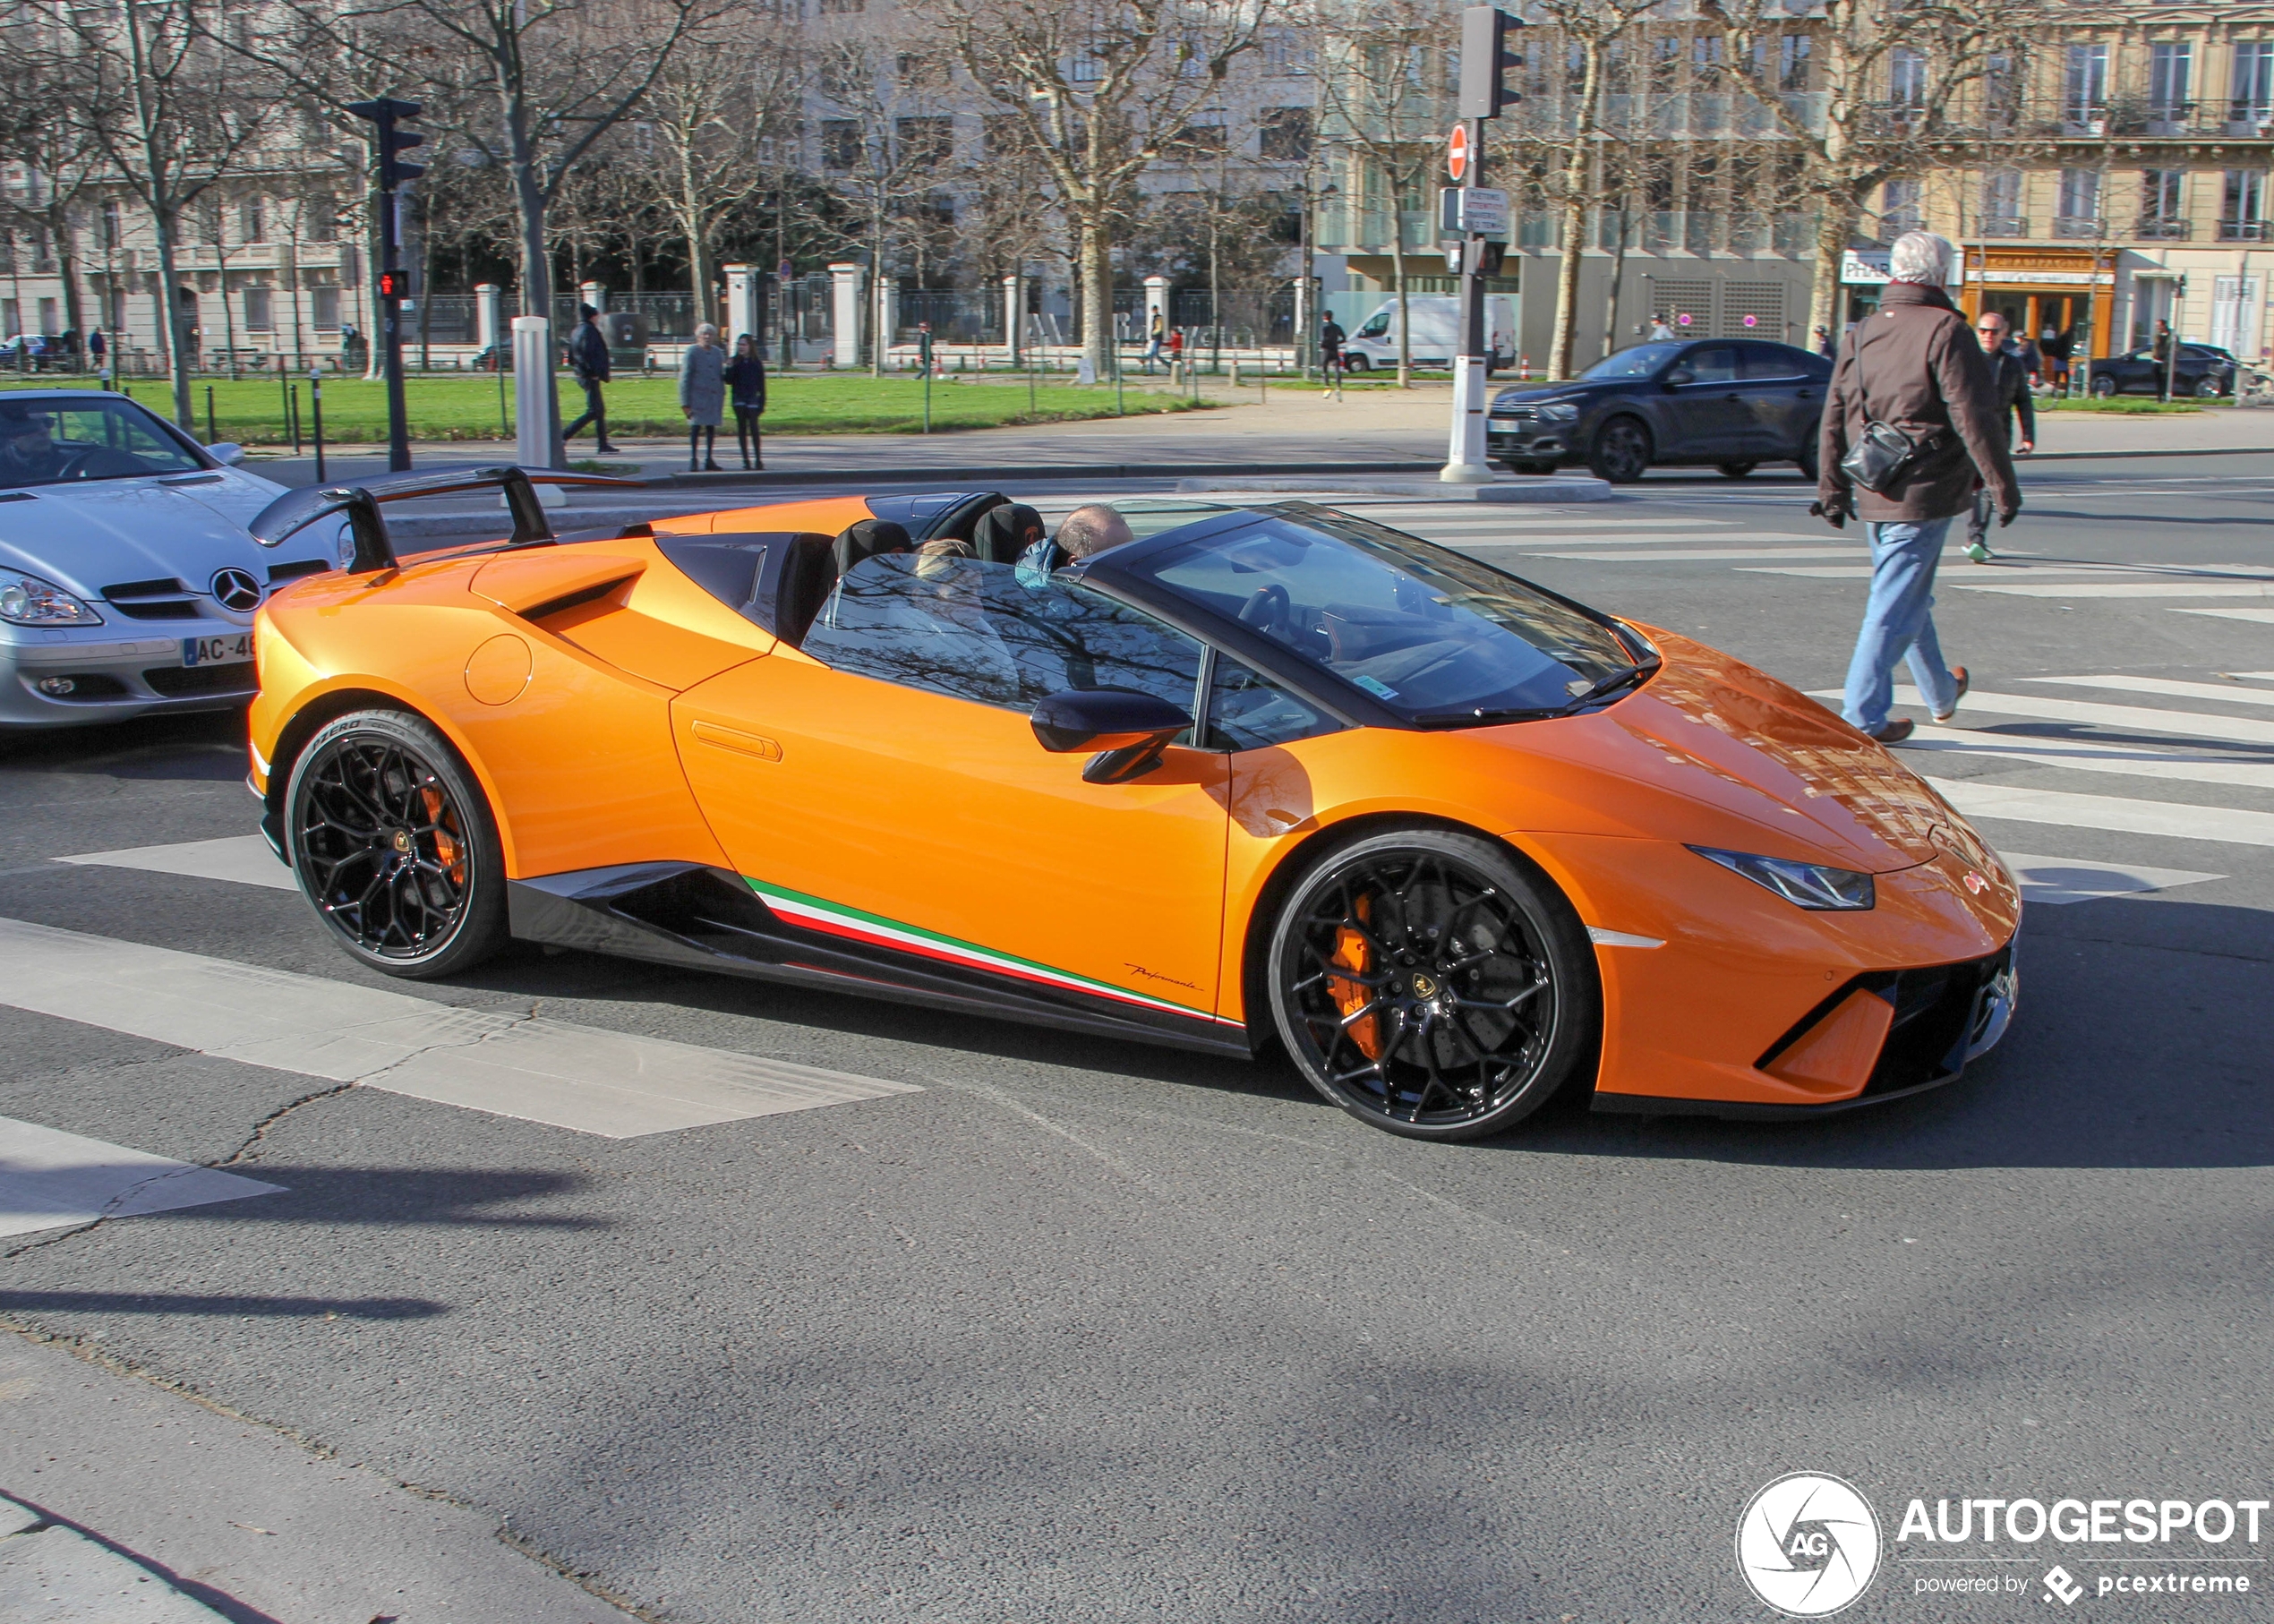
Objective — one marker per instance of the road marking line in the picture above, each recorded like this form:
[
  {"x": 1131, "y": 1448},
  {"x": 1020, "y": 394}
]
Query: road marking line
[
  {"x": 242, "y": 858},
  {"x": 1694, "y": 554},
  {"x": 1863, "y": 572},
  {"x": 2086, "y": 755},
  {"x": 1439, "y": 517},
  {"x": 2252, "y": 676},
  {"x": 1980, "y": 797},
  {"x": 2226, "y": 692},
  {"x": 2128, "y": 589},
  {"x": 2261, "y": 617},
  {"x": 610, "y": 1083},
  {"x": 50, "y": 1180},
  {"x": 2196, "y": 724},
  {"x": 2072, "y": 880}
]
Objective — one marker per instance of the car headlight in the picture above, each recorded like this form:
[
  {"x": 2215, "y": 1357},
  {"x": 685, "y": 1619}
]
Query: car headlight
[
  {"x": 26, "y": 600},
  {"x": 1816, "y": 886},
  {"x": 1559, "y": 411}
]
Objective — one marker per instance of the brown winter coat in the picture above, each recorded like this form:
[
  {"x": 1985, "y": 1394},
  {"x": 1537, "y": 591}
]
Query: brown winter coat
[{"x": 1928, "y": 378}]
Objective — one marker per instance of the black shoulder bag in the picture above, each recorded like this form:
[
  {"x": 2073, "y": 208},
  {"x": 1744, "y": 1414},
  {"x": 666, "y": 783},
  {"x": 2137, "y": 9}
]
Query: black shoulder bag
[{"x": 1883, "y": 454}]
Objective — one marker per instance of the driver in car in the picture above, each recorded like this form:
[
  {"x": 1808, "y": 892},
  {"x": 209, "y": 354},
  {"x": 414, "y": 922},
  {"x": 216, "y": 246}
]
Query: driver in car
[{"x": 27, "y": 450}]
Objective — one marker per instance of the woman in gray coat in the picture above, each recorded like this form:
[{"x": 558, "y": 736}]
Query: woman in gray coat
[{"x": 702, "y": 396}]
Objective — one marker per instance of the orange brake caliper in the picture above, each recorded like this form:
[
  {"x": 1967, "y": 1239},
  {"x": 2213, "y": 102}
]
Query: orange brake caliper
[
  {"x": 1351, "y": 953},
  {"x": 446, "y": 846}
]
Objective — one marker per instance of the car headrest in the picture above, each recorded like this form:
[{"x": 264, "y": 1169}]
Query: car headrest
[
  {"x": 1003, "y": 533},
  {"x": 867, "y": 539}
]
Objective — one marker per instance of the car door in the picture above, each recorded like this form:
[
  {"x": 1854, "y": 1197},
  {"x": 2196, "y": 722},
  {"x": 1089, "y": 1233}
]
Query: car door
[
  {"x": 1784, "y": 399},
  {"x": 885, "y": 784},
  {"x": 1706, "y": 407}
]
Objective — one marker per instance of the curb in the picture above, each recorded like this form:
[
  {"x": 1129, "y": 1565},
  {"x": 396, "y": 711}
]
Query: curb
[
  {"x": 1031, "y": 471},
  {"x": 1529, "y": 488}
]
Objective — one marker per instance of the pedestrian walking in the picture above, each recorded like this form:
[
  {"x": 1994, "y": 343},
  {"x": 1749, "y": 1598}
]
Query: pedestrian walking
[
  {"x": 2010, "y": 376},
  {"x": 702, "y": 397},
  {"x": 1659, "y": 333},
  {"x": 746, "y": 389},
  {"x": 2056, "y": 348},
  {"x": 95, "y": 346},
  {"x": 1331, "y": 361},
  {"x": 1175, "y": 346},
  {"x": 1824, "y": 347},
  {"x": 588, "y": 359},
  {"x": 1159, "y": 337},
  {"x": 2163, "y": 360},
  {"x": 1910, "y": 424}
]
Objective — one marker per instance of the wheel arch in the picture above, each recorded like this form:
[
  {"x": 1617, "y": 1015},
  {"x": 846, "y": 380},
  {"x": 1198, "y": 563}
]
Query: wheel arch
[
  {"x": 1298, "y": 860},
  {"x": 328, "y": 707}
]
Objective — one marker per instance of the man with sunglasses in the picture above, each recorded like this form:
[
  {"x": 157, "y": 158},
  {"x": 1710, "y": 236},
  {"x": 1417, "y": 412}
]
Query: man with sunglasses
[{"x": 2010, "y": 375}]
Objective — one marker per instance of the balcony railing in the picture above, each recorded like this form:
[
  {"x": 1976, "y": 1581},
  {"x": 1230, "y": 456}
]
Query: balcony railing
[
  {"x": 2079, "y": 225},
  {"x": 2248, "y": 118},
  {"x": 2242, "y": 231},
  {"x": 2162, "y": 228},
  {"x": 2003, "y": 226}
]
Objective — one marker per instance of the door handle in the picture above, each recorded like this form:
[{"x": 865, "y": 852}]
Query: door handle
[{"x": 736, "y": 740}]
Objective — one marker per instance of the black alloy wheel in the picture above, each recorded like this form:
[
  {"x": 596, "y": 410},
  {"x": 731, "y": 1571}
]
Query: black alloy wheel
[
  {"x": 2207, "y": 387},
  {"x": 1622, "y": 450},
  {"x": 1736, "y": 470},
  {"x": 393, "y": 842},
  {"x": 2104, "y": 386},
  {"x": 1433, "y": 984}
]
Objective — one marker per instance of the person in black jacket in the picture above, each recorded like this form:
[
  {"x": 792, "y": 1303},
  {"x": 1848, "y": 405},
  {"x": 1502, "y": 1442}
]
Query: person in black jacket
[
  {"x": 2010, "y": 373},
  {"x": 588, "y": 355},
  {"x": 745, "y": 388}
]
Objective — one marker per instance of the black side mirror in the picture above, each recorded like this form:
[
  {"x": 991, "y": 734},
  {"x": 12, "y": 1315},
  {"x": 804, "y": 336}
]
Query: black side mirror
[
  {"x": 1680, "y": 375},
  {"x": 1128, "y": 730}
]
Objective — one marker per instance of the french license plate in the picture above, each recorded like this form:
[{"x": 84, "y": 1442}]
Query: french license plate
[{"x": 234, "y": 649}]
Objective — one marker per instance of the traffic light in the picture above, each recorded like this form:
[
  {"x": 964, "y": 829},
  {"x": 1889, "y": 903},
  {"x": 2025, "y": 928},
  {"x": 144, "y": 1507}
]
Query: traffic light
[
  {"x": 1485, "y": 60},
  {"x": 388, "y": 113}
]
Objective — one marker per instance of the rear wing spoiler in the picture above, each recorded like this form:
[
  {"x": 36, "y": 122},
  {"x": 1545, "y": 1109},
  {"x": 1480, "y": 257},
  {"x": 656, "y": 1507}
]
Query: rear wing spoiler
[{"x": 295, "y": 510}]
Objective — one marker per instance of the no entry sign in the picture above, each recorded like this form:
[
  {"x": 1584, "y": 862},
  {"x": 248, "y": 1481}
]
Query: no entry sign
[{"x": 1457, "y": 151}]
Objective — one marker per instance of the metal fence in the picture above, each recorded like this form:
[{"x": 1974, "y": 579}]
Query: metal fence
[
  {"x": 1247, "y": 320},
  {"x": 957, "y": 315}
]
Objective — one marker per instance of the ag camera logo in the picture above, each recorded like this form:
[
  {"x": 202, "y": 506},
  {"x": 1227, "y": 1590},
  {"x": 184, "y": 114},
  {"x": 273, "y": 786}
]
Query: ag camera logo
[{"x": 1808, "y": 1544}]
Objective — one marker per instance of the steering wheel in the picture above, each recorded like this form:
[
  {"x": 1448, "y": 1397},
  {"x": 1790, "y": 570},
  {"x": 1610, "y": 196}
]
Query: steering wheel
[
  {"x": 1269, "y": 610},
  {"x": 103, "y": 462}
]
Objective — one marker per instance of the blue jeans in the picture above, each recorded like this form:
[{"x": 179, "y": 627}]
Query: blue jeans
[{"x": 1898, "y": 622}]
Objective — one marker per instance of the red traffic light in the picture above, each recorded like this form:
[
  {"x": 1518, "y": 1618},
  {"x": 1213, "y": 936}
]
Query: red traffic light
[{"x": 387, "y": 285}]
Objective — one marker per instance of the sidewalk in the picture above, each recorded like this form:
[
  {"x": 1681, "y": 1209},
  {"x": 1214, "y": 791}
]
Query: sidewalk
[
  {"x": 1364, "y": 431},
  {"x": 129, "y": 1504}
]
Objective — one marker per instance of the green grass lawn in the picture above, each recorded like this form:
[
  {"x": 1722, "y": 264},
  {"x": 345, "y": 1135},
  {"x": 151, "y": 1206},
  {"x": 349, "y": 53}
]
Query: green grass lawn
[
  {"x": 251, "y": 411},
  {"x": 2122, "y": 406}
]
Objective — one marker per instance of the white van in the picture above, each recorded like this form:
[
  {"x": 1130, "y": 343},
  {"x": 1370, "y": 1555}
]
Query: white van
[{"x": 1437, "y": 331}]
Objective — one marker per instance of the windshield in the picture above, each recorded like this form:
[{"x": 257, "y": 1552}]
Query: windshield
[
  {"x": 1434, "y": 634},
  {"x": 1643, "y": 361},
  {"x": 43, "y": 441}
]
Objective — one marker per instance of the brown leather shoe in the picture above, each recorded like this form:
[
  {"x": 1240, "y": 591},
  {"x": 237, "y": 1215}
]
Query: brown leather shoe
[
  {"x": 1957, "y": 676},
  {"x": 1896, "y": 732}
]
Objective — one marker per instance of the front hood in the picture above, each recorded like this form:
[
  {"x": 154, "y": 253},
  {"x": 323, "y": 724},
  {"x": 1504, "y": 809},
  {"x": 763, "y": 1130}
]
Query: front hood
[
  {"x": 1513, "y": 398},
  {"x": 85, "y": 537},
  {"x": 1713, "y": 752}
]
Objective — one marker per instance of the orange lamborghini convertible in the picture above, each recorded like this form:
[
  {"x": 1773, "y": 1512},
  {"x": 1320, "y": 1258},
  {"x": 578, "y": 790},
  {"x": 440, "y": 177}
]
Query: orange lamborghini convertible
[{"x": 1454, "y": 840}]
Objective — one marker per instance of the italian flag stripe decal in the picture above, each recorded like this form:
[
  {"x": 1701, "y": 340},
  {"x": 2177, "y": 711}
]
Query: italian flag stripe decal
[{"x": 836, "y": 919}]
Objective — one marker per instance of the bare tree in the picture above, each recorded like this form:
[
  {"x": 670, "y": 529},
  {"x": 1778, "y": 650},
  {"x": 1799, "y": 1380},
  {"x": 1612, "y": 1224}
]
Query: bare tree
[
  {"x": 1385, "y": 98},
  {"x": 169, "y": 120},
  {"x": 1102, "y": 87},
  {"x": 57, "y": 159},
  {"x": 1890, "y": 97},
  {"x": 884, "y": 147}
]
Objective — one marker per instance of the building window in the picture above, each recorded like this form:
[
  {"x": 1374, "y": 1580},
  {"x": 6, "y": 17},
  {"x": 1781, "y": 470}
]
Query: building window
[
  {"x": 50, "y": 323},
  {"x": 842, "y": 7},
  {"x": 2084, "y": 91},
  {"x": 1792, "y": 63},
  {"x": 1907, "y": 78},
  {"x": 2241, "y": 213},
  {"x": 319, "y": 217},
  {"x": 1197, "y": 141},
  {"x": 1285, "y": 55},
  {"x": 9, "y": 318},
  {"x": 1705, "y": 60},
  {"x": 323, "y": 303},
  {"x": 1899, "y": 209},
  {"x": 925, "y": 141},
  {"x": 2170, "y": 74},
  {"x": 2160, "y": 213},
  {"x": 1286, "y": 134},
  {"x": 114, "y": 231},
  {"x": 253, "y": 220},
  {"x": 2253, "y": 90},
  {"x": 259, "y": 310},
  {"x": 2001, "y": 92},
  {"x": 841, "y": 147},
  {"x": 2078, "y": 212},
  {"x": 2002, "y": 204},
  {"x": 1085, "y": 66},
  {"x": 42, "y": 252}
]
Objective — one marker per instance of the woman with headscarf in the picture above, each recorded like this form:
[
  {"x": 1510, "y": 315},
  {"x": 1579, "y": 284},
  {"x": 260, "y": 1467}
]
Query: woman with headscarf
[{"x": 702, "y": 396}]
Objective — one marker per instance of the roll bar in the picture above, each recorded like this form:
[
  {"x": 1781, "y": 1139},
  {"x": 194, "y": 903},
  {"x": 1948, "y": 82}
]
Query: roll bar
[{"x": 295, "y": 510}]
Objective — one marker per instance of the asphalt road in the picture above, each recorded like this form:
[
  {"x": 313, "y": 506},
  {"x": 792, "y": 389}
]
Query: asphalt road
[{"x": 1083, "y": 1330}]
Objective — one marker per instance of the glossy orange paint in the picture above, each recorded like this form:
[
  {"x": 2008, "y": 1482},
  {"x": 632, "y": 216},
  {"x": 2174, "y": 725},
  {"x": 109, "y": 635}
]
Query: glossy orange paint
[{"x": 654, "y": 723}]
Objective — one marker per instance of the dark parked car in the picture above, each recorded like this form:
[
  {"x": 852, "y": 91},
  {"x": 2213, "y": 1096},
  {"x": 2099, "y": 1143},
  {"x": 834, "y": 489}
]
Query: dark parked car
[
  {"x": 1731, "y": 403},
  {"x": 2203, "y": 369}
]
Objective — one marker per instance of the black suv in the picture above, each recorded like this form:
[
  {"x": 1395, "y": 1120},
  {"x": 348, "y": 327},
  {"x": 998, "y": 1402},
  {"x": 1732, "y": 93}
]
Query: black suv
[
  {"x": 2203, "y": 369},
  {"x": 1731, "y": 403}
]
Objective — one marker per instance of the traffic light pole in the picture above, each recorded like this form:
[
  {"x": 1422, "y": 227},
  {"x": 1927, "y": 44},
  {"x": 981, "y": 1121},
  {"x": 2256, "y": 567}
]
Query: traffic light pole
[
  {"x": 386, "y": 114},
  {"x": 1467, "y": 461},
  {"x": 1485, "y": 59}
]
